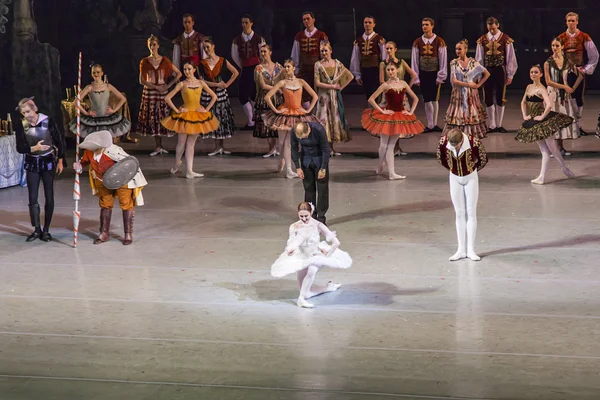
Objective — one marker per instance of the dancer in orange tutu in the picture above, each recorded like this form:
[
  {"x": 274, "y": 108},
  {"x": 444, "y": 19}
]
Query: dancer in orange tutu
[
  {"x": 393, "y": 122},
  {"x": 190, "y": 120},
  {"x": 284, "y": 118}
]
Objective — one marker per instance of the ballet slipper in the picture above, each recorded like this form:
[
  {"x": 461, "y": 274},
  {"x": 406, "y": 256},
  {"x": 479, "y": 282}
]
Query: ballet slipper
[
  {"x": 538, "y": 181},
  {"x": 192, "y": 175},
  {"x": 395, "y": 177},
  {"x": 569, "y": 173},
  {"x": 176, "y": 167},
  {"x": 290, "y": 174},
  {"x": 332, "y": 287},
  {"x": 303, "y": 303},
  {"x": 473, "y": 256},
  {"x": 458, "y": 255}
]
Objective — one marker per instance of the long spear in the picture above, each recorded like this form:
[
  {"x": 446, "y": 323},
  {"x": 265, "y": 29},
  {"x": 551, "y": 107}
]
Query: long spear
[{"x": 76, "y": 188}]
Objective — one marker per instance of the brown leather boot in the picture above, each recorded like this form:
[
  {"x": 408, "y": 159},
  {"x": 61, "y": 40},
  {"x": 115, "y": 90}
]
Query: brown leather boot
[
  {"x": 128, "y": 226},
  {"x": 105, "y": 214}
]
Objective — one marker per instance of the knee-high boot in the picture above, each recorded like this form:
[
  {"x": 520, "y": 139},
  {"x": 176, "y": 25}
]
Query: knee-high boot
[
  {"x": 105, "y": 214},
  {"x": 128, "y": 226}
]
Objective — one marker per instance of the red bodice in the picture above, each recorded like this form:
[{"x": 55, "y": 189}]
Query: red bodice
[{"x": 394, "y": 100}]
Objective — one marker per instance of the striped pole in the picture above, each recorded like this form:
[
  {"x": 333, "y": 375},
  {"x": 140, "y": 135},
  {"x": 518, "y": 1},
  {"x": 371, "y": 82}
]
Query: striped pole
[{"x": 76, "y": 188}]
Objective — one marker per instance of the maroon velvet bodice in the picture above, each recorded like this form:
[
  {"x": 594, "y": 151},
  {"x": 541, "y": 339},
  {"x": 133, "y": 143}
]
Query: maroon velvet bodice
[{"x": 394, "y": 100}]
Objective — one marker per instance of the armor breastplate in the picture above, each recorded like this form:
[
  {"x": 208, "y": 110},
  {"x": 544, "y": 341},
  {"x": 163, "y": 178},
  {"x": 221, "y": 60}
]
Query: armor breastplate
[{"x": 36, "y": 133}]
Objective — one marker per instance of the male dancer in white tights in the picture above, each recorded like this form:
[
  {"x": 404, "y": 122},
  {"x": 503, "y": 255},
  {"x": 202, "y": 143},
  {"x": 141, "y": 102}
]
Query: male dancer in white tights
[{"x": 463, "y": 156}]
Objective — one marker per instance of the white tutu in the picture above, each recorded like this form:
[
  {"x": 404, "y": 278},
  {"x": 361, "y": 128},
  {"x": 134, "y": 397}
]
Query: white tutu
[{"x": 307, "y": 251}]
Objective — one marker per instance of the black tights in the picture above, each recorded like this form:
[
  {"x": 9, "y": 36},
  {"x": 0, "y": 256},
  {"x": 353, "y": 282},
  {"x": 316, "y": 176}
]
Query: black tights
[{"x": 33, "y": 186}]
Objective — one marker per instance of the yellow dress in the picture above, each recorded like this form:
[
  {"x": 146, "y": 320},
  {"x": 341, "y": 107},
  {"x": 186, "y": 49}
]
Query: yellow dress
[{"x": 191, "y": 122}]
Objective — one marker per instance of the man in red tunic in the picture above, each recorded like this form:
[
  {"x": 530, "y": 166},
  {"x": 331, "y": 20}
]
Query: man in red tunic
[
  {"x": 188, "y": 45},
  {"x": 495, "y": 51},
  {"x": 576, "y": 43},
  {"x": 306, "y": 51},
  {"x": 368, "y": 51},
  {"x": 245, "y": 52}
]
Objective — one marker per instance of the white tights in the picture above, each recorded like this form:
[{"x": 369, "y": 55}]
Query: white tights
[
  {"x": 547, "y": 147},
  {"x": 386, "y": 155},
  {"x": 185, "y": 142},
  {"x": 285, "y": 149},
  {"x": 306, "y": 279},
  {"x": 464, "y": 191}
]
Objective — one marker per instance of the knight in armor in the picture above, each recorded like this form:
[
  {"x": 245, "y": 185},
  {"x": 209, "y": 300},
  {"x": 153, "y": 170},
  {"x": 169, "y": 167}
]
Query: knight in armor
[
  {"x": 43, "y": 144},
  {"x": 367, "y": 53},
  {"x": 188, "y": 45},
  {"x": 245, "y": 52},
  {"x": 306, "y": 52},
  {"x": 429, "y": 60},
  {"x": 495, "y": 51},
  {"x": 101, "y": 154}
]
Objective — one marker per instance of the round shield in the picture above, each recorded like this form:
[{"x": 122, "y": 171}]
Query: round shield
[{"x": 121, "y": 173}]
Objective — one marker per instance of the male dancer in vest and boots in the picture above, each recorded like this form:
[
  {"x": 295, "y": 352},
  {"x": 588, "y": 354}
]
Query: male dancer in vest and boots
[
  {"x": 495, "y": 51},
  {"x": 188, "y": 45},
  {"x": 429, "y": 60},
  {"x": 367, "y": 53}
]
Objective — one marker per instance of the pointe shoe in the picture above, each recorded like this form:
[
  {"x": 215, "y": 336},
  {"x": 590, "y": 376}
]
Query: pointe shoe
[
  {"x": 156, "y": 152},
  {"x": 538, "y": 181},
  {"x": 271, "y": 153},
  {"x": 458, "y": 255},
  {"x": 214, "y": 153},
  {"x": 569, "y": 173},
  {"x": 176, "y": 167},
  {"x": 400, "y": 153},
  {"x": 192, "y": 175},
  {"x": 303, "y": 303},
  {"x": 163, "y": 151},
  {"x": 379, "y": 171},
  {"x": 474, "y": 257},
  {"x": 290, "y": 174},
  {"x": 332, "y": 287},
  {"x": 395, "y": 177}
]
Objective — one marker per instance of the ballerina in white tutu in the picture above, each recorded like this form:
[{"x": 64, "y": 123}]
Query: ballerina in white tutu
[{"x": 305, "y": 254}]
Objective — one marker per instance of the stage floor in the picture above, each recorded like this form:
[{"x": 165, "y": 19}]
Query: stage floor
[{"x": 190, "y": 311}]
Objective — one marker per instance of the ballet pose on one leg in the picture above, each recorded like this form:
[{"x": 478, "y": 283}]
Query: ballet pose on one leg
[
  {"x": 541, "y": 124},
  {"x": 463, "y": 156},
  {"x": 305, "y": 254}
]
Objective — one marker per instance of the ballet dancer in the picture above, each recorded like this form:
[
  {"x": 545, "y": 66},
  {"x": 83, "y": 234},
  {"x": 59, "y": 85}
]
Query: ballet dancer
[
  {"x": 305, "y": 254},
  {"x": 463, "y": 155}
]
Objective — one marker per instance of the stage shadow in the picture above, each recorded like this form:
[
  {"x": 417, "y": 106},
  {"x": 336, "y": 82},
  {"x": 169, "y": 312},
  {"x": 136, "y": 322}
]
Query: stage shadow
[
  {"x": 284, "y": 290},
  {"x": 355, "y": 177},
  {"x": 399, "y": 209},
  {"x": 582, "y": 239},
  {"x": 17, "y": 223},
  {"x": 257, "y": 204},
  {"x": 245, "y": 175}
]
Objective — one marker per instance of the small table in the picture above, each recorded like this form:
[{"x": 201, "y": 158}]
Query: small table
[{"x": 12, "y": 172}]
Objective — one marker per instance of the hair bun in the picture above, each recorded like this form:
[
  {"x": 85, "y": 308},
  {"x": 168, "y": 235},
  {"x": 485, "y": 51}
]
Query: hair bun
[{"x": 466, "y": 41}]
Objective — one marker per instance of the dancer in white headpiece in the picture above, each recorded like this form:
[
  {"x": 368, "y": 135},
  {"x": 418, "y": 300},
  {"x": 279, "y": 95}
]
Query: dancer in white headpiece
[
  {"x": 305, "y": 254},
  {"x": 463, "y": 155}
]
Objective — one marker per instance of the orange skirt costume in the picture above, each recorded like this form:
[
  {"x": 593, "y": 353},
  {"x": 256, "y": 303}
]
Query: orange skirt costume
[
  {"x": 191, "y": 122},
  {"x": 292, "y": 100},
  {"x": 398, "y": 123}
]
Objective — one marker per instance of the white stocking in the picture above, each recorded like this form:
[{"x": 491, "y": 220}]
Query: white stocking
[
  {"x": 189, "y": 152},
  {"x": 429, "y": 112},
  {"x": 551, "y": 144},
  {"x": 248, "y": 111},
  {"x": 460, "y": 208},
  {"x": 541, "y": 179},
  {"x": 389, "y": 158},
  {"x": 491, "y": 117},
  {"x": 383, "y": 142},
  {"x": 305, "y": 286},
  {"x": 436, "y": 111},
  {"x": 499, "y": 115},
  {"x": 181, "y": 139},
  {"x": 471, "y": 189}
]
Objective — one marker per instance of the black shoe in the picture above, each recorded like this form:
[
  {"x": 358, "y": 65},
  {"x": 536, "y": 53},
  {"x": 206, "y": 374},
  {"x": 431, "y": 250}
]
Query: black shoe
[
  {"x": 35, "y": 235},
  {"x": 427, "y": 130},
  {"x": 437, "y": 129},
  {"x": 582, "y": 132},
  {"x": 248, "y": 128},
  {"x": 46, "y": 237},
  {"x": 492, "y": 130},
  {"x": 501, "y": 130}
]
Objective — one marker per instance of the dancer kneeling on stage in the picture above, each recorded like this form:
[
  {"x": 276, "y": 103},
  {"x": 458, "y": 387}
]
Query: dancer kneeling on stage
[
  {"x": 101, "y": 154},
  {"x": 43, "y": 144},
  {"x": 305, "y": 254},
  {"x": 463, "y": 156}
]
